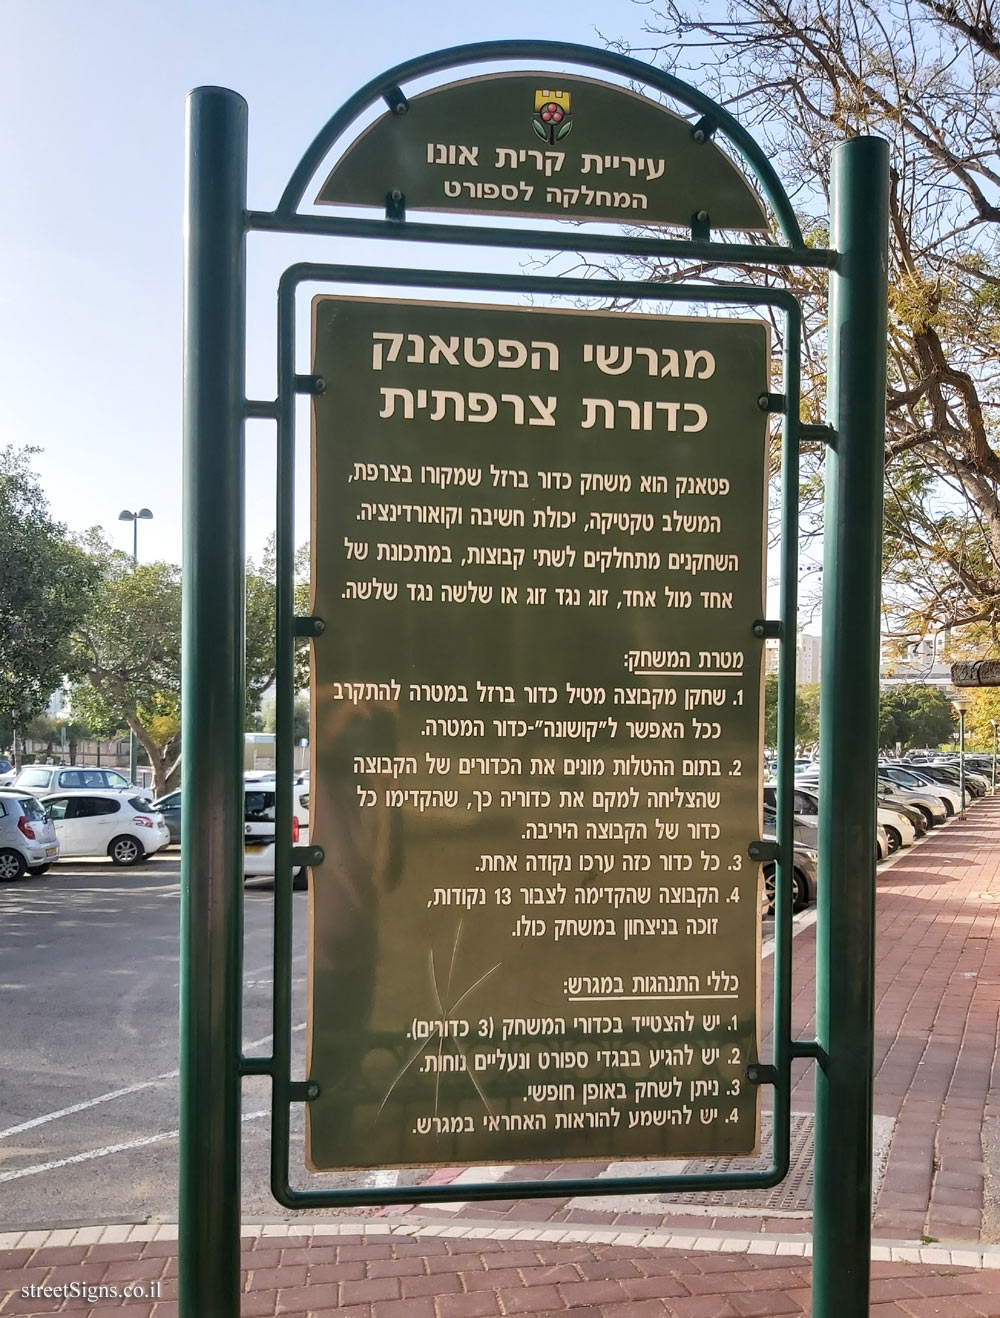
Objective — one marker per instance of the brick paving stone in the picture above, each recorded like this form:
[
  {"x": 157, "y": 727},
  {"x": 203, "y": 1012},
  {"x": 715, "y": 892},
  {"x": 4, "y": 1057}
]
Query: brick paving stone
[
  {"x": 411, "y": 1267},
  {"x": 370, "y": 1291},
  {"x": 515, "y": 1256},
  {"x": 13, "y": 1258},
  {"x": 56, "y": 1255},
  {"x": 291, "y": 1299},
  {"x": 458, "y": 1263},
  {"x": 543, "y": 1274},
  {"x": 116, "y": 1248},
  {"x": 765, "y": 1304},
  {"x": 491, "y": 1280},
  {"x": 936, "y": 1307},
  {"x": 471, "y": 1304},
  {"x": 270, "y": 1279},
  {"x": 418, "y": 1308},
  {"x": 530, "y": 1299},
  {"x": 260, "y": 1259},
  {"x": 439, "y": 1283},
  {"x": 700, "y": 1306},
  {"x": 592, "y": 1292},
  {"x": 651, "y": 1308},
  {"x": 653, "y": 1288},
  {"x": 258, "y": 1304},
  {"x": 606, "y": 1269},
  {"x": 326, "y": 1272}
]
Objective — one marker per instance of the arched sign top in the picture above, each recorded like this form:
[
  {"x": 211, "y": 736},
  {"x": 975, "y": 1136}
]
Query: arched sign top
[
  {"x": 387, "y": 86},
  {"x": 545, "y": 146}
]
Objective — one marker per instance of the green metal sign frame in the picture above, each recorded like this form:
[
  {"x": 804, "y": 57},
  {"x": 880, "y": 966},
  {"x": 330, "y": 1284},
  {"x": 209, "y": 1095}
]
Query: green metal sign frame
[{"x": 215, "y": 410}]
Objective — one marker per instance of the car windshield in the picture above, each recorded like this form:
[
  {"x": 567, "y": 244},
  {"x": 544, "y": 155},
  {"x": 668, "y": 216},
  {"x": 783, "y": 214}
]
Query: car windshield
[
  {"x": 259, "y": 808},
  {"x": 138, "y": 803},
  {"x": 116, "y": 780},
  {"x": 32, "y": 808},
  {"x": 34, "y": 778}
]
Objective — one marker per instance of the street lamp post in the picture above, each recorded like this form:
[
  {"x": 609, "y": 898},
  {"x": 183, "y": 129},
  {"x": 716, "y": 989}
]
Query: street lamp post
[
  {"x": 996, "y": 726},
  {"x": 961, "y": 705},
  {"x": 125, "y": 516}
]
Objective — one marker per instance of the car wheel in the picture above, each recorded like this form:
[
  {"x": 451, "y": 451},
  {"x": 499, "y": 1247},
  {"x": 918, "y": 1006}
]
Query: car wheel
[
  {"x": 949, "y": 809},
  {"x": 125, "y": 851},
  {"x": 12, "y": 864},
  {"x": 895, "y": 838},
  {"x": 928, "y": 817},
  {"x": 38, "y": 869},
  {"x": 800, "y": 892}
]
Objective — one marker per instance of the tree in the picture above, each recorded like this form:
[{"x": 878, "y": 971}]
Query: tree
[
  {"x": 984, "y": 706},
  {"x": 130, "y": 650},
  {"x": 803, "y": 75},
  {"x": 914, "y": 715},
  {"x": 44, "y": 588},
  {"x": 129, "y": 646},
  {"x": 806, "y": 713}
]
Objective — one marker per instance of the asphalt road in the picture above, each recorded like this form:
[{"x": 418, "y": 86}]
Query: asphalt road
[{"x": 88, "y": 1046}]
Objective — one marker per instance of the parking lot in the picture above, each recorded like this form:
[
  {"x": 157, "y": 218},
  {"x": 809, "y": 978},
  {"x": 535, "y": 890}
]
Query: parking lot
[{"x": 88, "y": 1109}]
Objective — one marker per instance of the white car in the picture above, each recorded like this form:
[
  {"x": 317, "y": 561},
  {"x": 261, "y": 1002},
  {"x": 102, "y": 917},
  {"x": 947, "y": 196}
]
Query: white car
[
  {"x": 106, "y": 823},
  {"x": 47, "y": 779},
  {"x": 258, "y": 828},
  {"x": 27, "y": 839},
  {"x": 951, "y": 797}
]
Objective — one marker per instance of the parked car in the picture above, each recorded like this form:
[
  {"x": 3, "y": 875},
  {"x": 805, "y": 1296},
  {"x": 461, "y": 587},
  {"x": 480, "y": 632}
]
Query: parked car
[
  {"x": 930, "y": 806},
  {"x": 28, "y": 843},
  {"x": 7, "y": 771},
  {"x": 169, "y": 807},
  {"x": 260, "y": 800},
  {"x": 44, "y": 779},
  {"x": 805, "y": 831},
  {"x": 909, "y": 812},
  {"x": 805, "y": 869},
  {"x": 950, "y": 796},
  {"x": 975, "y": 783},
  {"x": 106, "y": 823},
  {"x": 899, "y": 831}
]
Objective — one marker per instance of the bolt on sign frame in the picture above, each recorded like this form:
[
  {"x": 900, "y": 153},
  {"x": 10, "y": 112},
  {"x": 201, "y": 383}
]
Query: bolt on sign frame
[{"x": 215, "y": 410}]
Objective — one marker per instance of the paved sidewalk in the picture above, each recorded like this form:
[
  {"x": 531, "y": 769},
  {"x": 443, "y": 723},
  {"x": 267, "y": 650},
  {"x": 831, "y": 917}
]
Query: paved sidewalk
[
  {"x": 938, "y": 985},
  {"x": 426, "y": 1269}
]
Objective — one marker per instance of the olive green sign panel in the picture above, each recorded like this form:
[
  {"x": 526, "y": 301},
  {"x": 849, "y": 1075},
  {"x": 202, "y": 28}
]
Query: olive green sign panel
[
  {"x": 544, "y": 145},
  {"x": 538, "y": 546}
]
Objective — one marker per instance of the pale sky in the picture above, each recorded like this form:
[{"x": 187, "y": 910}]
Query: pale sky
[{"x": 90, "y": 229}]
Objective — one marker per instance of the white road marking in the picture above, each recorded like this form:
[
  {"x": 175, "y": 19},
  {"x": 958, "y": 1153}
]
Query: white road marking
[
  {"x": 113, "y": 1094},
  {"x": 91, "y": 1154},
  {"x": 80, "y": 1107}
]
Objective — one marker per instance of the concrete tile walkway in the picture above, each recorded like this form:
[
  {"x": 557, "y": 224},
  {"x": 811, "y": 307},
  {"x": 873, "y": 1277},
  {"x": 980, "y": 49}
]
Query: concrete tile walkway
[{"x": 938, "y": 992}]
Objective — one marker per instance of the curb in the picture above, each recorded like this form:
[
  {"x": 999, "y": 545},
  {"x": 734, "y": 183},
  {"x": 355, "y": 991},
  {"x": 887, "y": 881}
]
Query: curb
[{"x": 719, "y": 1242}]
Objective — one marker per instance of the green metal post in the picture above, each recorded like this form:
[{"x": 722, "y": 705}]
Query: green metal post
[
  {"x": 961, "y": 758},
  {"x": 845, "y": 930},
  {"x": 213, "y": 712}
]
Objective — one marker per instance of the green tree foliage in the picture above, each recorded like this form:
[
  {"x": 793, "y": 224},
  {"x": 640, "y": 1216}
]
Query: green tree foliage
[
  {"x": 806, "y": 714},
  {"x": 129, "y": 647},
  {"x": 45, "y": 585},
  {"x": 803, "y": 75},
  {"x": 984, "y": 707},
  {"x": 914, "y": 715},
  {"x": 771, "y": 710}
]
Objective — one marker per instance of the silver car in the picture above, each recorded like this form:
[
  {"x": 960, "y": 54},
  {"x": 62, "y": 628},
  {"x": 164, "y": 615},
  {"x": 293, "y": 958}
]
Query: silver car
[
  {"x": 44, "y": 779},
  {"x": 27, "y": 838}
]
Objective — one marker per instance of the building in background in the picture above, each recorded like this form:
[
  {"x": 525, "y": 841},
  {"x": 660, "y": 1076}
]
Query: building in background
[
  {"x": 807, "y": 658},
  {"x": 905, "y": 662}
]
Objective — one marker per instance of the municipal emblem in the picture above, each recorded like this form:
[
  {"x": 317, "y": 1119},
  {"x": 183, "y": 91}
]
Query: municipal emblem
[{"x": 552, "y": 120}]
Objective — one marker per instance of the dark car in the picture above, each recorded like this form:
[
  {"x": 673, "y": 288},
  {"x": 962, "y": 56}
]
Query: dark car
[{"x": 169, "y": 807}]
